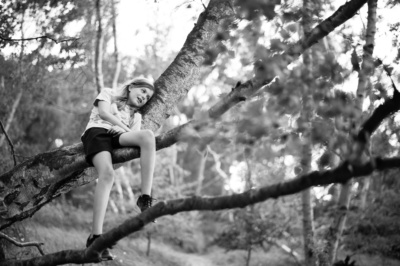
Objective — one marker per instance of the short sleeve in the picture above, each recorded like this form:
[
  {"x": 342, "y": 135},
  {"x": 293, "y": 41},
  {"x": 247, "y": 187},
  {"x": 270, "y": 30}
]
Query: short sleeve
[
  {"x": 136, "y": 122},
  {"x": 104, "y": 95}
]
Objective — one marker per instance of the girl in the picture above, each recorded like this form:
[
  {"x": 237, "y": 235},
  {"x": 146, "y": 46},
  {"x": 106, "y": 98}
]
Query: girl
[{"x": 114, "y": 123}]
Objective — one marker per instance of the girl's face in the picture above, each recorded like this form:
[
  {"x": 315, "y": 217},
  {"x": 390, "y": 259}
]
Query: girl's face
[{"x": 138, "y": 96}]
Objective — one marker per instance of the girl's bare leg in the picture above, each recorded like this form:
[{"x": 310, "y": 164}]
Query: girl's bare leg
[
  {"x": 103, "y": 164},
  {"x": 146, "y": 141}
]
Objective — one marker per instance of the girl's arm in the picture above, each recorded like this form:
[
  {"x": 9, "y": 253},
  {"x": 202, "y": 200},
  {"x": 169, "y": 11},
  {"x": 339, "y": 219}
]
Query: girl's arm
[
  {"x": 105, "y": 114},
  {"x": 137, "y": 124}
]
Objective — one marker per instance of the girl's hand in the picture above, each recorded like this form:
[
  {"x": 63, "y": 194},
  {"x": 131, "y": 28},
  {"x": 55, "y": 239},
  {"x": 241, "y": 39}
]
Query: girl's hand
[{"x": 115, "y": 130}]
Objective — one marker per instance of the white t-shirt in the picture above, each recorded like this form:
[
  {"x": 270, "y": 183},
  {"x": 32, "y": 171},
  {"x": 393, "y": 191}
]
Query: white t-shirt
[{"x": 126, "y": 114}]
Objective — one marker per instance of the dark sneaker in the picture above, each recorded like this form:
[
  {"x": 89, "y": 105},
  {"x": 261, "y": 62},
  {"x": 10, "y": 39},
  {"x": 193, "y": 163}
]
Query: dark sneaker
[
  {"x": 105, "y": 255},
  {"x": 144, "y": 202}
]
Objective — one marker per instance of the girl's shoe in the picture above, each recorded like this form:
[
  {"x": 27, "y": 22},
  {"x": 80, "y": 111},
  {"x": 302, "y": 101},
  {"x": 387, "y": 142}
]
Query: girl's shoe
[
  {"x": 144, "y": 202},
  {"x": 105, "y": 255}
]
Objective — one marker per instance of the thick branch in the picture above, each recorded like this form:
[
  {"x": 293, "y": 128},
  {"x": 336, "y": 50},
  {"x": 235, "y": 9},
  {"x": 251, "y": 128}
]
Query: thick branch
[
  {"x": 386, "y": 109},
  {"x": 179, "y": 77},
  {"x": 341, "y": 174},
  {"x": 344, "y": 13}
]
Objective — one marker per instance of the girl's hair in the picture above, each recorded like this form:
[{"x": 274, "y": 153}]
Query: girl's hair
[{"x": 123, "y": 94}]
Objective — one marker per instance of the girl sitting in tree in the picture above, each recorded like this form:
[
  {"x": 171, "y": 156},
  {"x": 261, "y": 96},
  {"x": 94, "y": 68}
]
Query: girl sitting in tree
[{"x": 114, "y": 123}]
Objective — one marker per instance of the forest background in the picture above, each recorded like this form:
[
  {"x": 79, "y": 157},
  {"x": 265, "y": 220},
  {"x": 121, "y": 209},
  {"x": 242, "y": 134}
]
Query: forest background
[{"x": 297, "y": 122}]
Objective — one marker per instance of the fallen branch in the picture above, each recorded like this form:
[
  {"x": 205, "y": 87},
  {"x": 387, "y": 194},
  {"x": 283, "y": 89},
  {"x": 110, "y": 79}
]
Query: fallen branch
[{"x": 25, "y": 244}]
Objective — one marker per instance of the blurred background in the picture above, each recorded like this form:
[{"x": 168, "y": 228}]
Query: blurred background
[{"x": 47, "y": 89}]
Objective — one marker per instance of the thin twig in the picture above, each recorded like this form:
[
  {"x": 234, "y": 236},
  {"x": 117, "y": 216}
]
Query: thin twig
[
  {"x": 9, "y": 142},
  {"x": 35, "y": 38},
  {"x": 203, "y": 4},
  {"x": 26, "y": 244}
]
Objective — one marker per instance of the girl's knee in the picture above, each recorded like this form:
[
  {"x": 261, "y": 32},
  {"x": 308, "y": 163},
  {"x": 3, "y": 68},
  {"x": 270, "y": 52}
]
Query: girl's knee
[
  {"x": 148, "y": 137},
  {"x": 107, "y": 175}
]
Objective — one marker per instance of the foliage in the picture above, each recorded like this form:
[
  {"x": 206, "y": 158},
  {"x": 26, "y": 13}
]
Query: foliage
[{"x": 376, "y": 230}]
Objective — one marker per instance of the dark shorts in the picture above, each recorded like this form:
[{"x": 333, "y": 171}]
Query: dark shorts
[{"x": 96, "y": 140}]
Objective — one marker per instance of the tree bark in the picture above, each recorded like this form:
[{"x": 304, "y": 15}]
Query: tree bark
[{"x": 179, "y": 77}]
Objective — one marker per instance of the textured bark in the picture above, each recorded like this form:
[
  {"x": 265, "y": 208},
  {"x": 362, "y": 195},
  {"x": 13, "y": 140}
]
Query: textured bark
[
  {"x": 98, "y": 57},
  {"x": 179, "y": 77},
  {"x": 248, "y": 88},
  {"x": 338, "y": 175}
]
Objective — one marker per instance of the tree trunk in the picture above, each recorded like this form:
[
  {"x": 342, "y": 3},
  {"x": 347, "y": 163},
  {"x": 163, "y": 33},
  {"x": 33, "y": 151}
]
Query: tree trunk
[
  {"x": 248, "y": 257},
  {"x": 11, "y": 116},
  {"x": 200, "y": 170},
  {"x": 364, "y": 81},
  {"x": 18, "y": 83},
  {"x": 364, "y": 188},
  {"x": 116, "y": 53},
  {"x": 179, "y": 77},
  {"x": 305, "y": 128},
  {"x": 98, "y": 69},
  {"x": 367, "y": 67},
  {"x": 339, "y": 222}
]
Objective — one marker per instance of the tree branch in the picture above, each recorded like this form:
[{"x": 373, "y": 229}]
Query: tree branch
[
  {"x": 36, "y": 38},
  {"x": 341, "y": 174},
  {"x": 26, "y": 244},
  {"x": 9, "y": 142},
  {"x": 344, "y": 13},
  {"x": 389, "y": 107},
  {"x": 180, "y": 76}
]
